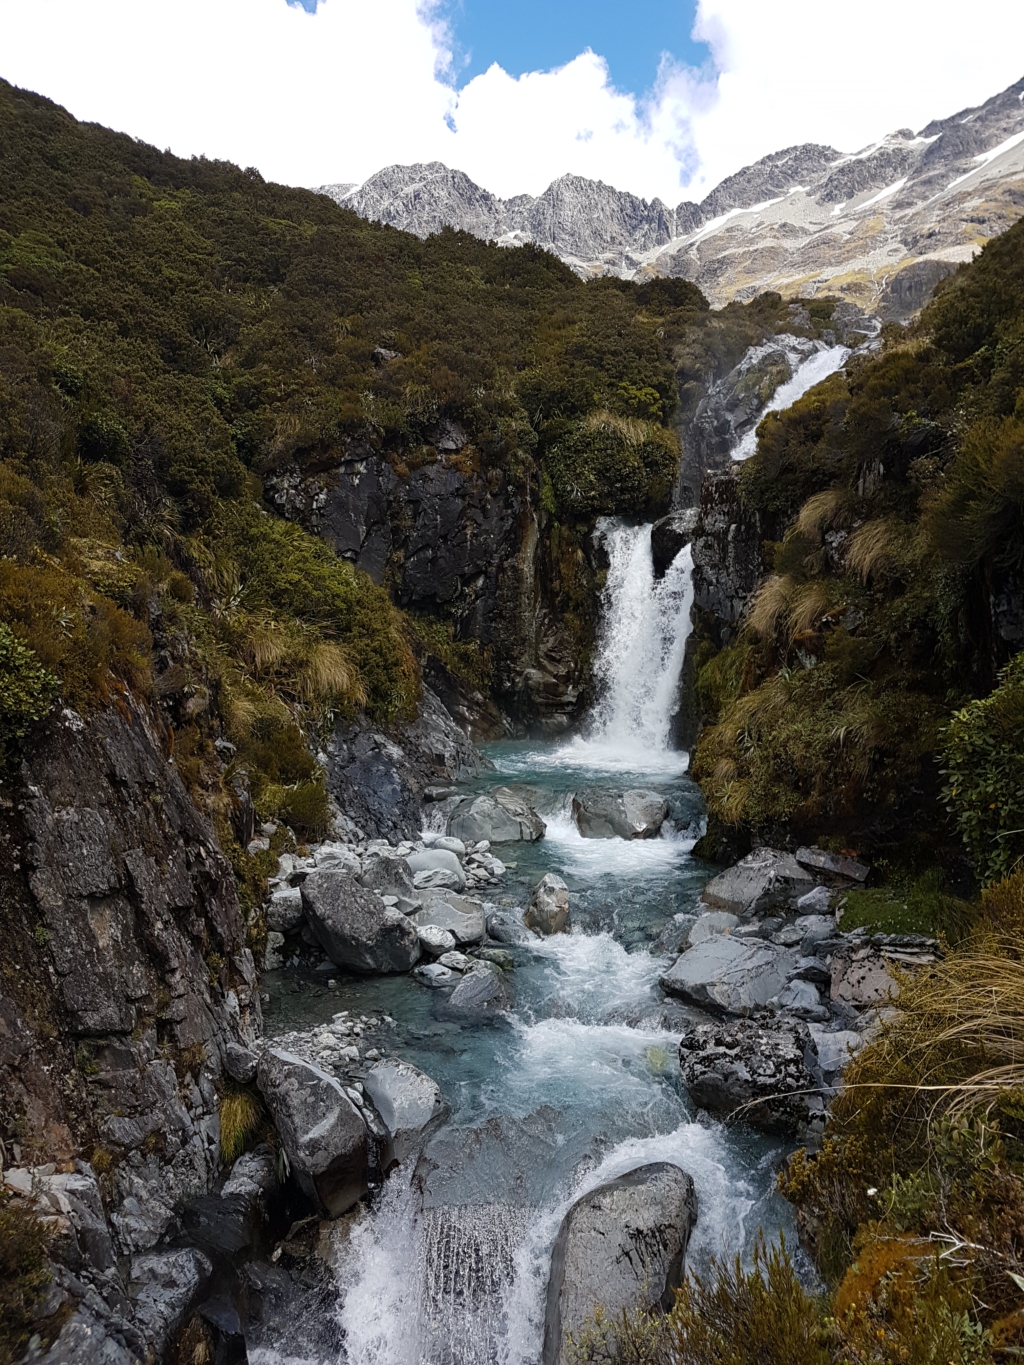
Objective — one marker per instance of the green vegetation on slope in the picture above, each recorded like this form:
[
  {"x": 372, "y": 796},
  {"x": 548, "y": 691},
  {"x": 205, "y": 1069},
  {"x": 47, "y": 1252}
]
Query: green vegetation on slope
[{"x": 893, "y": 497}]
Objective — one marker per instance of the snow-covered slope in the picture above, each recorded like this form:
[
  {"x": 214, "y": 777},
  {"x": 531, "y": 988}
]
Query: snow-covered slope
[{"x": 880, "y": 226}]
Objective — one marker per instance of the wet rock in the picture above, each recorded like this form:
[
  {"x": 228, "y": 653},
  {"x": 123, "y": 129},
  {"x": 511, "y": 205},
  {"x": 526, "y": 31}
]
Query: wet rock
[
  {"x": 321, "y": 1130},
  {"x": 355, "y": 928},
  {"x": 371, "y": 780},
  {"x": 433, "y": 974},
  {"x": 89, "y": 1338},
  {"x": 759, "y": 881},
  {"x": 670, "y": 535},
  {"x": 437, "y": 860},
  {"x": 833, "y": 864},
  {"x": 621, "y": 1246},
  {"x": 711, "y": 924},
  {"x": 635, "y": 814},
  {"x": 754, "y": 1064},
  {"x": 230, "y": 1224},
  {"x": 456, "y": 961},
  {"x": 408, "y": 1102},
  {"x": 675, "y": 937},
  {"x": 815, "y": 902},
  {"x": 386, "y": 872},
  {"x": 500, "y": 818},
  {"x": 435, "y": 940},
  {"x": 498, "y": 956},
  {"x": 505, "y": 927},
  {"x": 164, "y": 1286},
  {"x": 466, "y": 926},
  {"x": 728, "y": 975},
  {"x": 483, "y": 990},
  {"x": 548, "y": 911}
]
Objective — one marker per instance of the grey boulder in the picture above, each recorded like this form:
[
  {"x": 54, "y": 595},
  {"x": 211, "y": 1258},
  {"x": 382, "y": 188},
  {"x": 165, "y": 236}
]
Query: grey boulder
[
  {"x": 833, "y": 864},
  {"x": 501, "y": 818},
  {"x": 504, "y": 927},
  {"x": 801, "y": 998},
  {"x": 386, "y": 872},
  {"x": 435, "y": 940},
  {"x": 754, "y": 1067},
  {"x": 622, "y": 1246},
  {"x": 321, "y": 1130},
  {"x": 284, "y": 911},
  {"x": 635, "y": 814},
  {"x": 355, "y": 928},
  {"x": 484, "y": 990},
  {"x": 426, "y": 866},
  {"x": 759, "y": 881},
  {"x": 710, "y": 925},
  {"x": 408, "y": 1102},
  {"x": 465, "y": 925},
  {"x": 164, "y": 1285},
  {"x": 861, "y": 978},
  {"x": 548, "y": 911},
  {"x": 728, "y": 975},
  {"x": 834, "y": 1049}
]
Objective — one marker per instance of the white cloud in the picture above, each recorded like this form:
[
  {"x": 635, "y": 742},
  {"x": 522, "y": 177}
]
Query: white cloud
[{"x": 363, "y": 83}]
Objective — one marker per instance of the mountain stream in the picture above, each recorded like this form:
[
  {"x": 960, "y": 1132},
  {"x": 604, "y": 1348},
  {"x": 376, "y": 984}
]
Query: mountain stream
[{"x": 580, "y": 1081}]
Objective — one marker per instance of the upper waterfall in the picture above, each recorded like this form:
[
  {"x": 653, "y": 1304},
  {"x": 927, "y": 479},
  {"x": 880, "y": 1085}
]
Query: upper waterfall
[{"x": 645, "y": 626}]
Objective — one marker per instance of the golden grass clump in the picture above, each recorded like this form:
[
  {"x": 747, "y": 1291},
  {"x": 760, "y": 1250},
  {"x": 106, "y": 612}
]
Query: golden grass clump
[
  {"x": 242, "y": 1116},
  {"x": 872, "y": 548}
]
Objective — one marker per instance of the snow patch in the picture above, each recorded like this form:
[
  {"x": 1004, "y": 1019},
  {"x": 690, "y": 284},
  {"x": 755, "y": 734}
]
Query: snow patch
[
  {"x": 883, "y": 194},
  {"x": 986, "y": 157}
]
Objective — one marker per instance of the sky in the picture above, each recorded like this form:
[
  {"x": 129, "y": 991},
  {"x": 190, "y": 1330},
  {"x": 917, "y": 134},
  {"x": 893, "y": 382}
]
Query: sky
[{"x": 660, "y": 97}]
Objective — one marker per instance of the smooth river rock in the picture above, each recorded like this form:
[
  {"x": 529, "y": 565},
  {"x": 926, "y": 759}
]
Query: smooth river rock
[
  {"x": 501, "y": 818},
  {"x": 355, "y": 928},
  {"x": 635, "y": 814},
  {"x": 321, "y": 1130},
  {"x": 484, "y": 990},
  {"x": 548, "y": 911},
  {"x": 386, "y": 872},
  {"x": 466, "y": 925},
  {"x": 409, "y": 1103},
  {"x": 622, "y": 1246},
  {"x": 437, "y": 860},
  {"x": 730, "y": 976}
]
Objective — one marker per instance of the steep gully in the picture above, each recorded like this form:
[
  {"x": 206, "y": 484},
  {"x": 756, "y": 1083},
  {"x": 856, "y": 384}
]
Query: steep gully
[
  {"x": 576, "y": 1084},
  {"x": 129, "y": 1000}
]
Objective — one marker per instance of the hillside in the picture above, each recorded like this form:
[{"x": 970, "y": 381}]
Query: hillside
[{"x": 879, "y": 227}]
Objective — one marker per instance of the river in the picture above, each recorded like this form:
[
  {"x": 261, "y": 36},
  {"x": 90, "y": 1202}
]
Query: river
[{"x": 580, "y": 1081}]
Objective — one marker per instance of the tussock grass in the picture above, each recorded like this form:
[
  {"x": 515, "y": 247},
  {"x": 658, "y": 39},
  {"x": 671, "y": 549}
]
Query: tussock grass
[{"x": 242, "y": 1117}]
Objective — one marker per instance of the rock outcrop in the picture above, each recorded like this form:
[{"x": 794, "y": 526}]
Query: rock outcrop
[
  {"x": 622, "y": 1246},
  {"x": 548, "y": 911},
  {"x": 354, "y": 926},
  {"x": 754, "y": 1071}
]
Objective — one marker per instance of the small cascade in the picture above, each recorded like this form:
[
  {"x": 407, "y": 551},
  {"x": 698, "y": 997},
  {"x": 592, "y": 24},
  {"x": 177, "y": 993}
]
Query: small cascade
[
  {"x": 640, "y": 654},
  {"x": 810, "y": 371}
]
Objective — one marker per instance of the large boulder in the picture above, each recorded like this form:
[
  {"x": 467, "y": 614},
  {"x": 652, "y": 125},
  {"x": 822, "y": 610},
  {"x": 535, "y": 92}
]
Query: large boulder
[
  {"x": 386, "y": 872},
  {"x": 762, "y": 879},
  {"x": 501, "y": 818},
  {"x": 635, "y": 814},
  {"x": 426, "y": 865},
  {"x": 755, "y": 1064},
  {"x": 833, "y": 864},
  {"x": 862, "y": 978},
  {"x": 409, "y": 1104},
  {"x": 548, "y": 911},
  {"x": 728, "y": 975},
  {"x": 321, "y": 1130},
  {"x": 463, "y": 918},
  {"x": 622, "y": 1246},
  {"x": 484, "y": 990},
  {"x": 284, "y": 911},
  {"x": 355, "y": 928},
  {"x": 164, "y": 1285},
  {"x": 505, "y": 927}
]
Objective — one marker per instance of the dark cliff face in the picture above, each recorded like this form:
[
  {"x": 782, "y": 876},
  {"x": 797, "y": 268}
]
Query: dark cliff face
[
  {"x": 471, "y": 547},
  {"x": 125, "y": 974}
]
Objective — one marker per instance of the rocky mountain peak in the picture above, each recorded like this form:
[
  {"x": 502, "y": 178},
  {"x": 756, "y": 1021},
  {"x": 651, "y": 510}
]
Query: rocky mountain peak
[{"x": 879, "y": 227}]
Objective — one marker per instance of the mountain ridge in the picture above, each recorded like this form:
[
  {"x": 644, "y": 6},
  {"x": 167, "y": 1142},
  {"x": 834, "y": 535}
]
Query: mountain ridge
[{"x": 807, "y": 218}]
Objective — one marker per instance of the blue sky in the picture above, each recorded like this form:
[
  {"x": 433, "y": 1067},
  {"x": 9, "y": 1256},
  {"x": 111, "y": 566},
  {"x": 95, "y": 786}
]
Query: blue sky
[{"x": 539, "y": 35}]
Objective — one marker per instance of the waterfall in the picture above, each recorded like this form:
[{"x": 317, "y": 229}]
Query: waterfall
[
  {"x": 645, "y": 626},
  {"x": 818, "y": 366}
]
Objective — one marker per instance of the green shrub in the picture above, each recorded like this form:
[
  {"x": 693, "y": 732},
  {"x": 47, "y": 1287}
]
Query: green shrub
[
  {"x": 24, "y": 1277},
  {"x": 611, "y": 464},
  {"x": 983, "y": 756},
  {"x": 27, "y": 690}
]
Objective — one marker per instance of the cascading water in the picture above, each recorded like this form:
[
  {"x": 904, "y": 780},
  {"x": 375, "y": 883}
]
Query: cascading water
[
  {"x": 646, "y": 623},
  {"x": 808, "y": 372},
  {"x": 579, "y": 1083}
]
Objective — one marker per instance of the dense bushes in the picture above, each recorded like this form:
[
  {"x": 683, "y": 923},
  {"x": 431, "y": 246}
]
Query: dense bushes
[
  {"x": 27, "y": 690},
  {"x": 983, "y": 751},
  {"x": 891, "y": 499}
]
